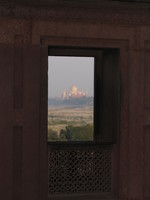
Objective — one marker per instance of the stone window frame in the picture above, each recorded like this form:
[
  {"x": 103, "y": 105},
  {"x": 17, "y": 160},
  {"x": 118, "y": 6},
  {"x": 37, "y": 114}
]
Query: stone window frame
[{"x": 100, "y": 55}]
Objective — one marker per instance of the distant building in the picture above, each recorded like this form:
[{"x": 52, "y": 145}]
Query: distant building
[{"x": 74, "y": 93}]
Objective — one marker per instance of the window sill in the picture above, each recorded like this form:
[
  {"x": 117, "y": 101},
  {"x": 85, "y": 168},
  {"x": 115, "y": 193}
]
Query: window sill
[{"x": 87, "y": 196}]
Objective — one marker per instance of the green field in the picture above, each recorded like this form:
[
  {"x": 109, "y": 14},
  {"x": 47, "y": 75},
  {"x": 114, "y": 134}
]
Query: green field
[{"x": 70, "y": 123}]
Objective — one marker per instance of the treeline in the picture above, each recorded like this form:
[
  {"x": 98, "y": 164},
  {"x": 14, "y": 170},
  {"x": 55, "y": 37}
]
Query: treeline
[
  {"x": 72, "y": 133},
  {"x": 71, "y": 101}
]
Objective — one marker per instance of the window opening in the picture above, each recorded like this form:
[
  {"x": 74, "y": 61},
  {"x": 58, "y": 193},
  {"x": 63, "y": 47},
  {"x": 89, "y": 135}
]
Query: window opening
[
  {"x": 85, "y": 168},
  {"x": 70, "y": 98}
]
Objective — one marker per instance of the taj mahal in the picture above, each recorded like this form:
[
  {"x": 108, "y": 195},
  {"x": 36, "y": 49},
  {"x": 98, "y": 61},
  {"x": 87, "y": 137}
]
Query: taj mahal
[{"x": 73, "y": 92}]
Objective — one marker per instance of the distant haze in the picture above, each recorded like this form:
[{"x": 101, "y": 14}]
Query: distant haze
[{"x": 64, "y": 72}]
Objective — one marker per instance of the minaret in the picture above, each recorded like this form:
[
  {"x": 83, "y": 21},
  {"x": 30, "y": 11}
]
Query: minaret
[
  {"x": 86, "y": 93},
  {"x": 64, "y": 95}
]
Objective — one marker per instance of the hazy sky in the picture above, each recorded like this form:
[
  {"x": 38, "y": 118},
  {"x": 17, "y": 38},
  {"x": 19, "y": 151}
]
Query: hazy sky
[{"x": 64, "y": 72}]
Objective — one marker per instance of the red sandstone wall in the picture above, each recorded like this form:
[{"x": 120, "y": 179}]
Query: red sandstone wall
[{"x": 25, "y": 33}]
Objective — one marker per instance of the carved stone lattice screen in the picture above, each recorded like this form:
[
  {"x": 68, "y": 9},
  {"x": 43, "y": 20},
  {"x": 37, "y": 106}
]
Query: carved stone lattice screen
[{"x": 79, "y": 169}]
